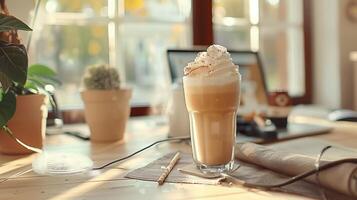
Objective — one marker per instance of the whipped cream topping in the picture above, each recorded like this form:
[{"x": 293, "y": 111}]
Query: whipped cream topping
[{"x": 216, "y": 61}]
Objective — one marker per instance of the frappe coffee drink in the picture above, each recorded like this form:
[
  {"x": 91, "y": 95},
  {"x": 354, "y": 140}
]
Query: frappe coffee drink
[{"x": 212, "y": 90}]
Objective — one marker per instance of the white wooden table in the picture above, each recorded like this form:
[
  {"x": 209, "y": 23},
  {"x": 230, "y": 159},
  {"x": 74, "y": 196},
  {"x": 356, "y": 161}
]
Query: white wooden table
[{"x": 110, "y": 184}]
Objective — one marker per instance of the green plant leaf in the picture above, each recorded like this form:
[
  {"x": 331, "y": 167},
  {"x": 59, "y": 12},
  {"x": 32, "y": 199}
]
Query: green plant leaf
[
  {"x": 8, "y": 23},
  {"x": 2, "y": 93},
  {"x": 13, "y": 62},
  {"x": 5, "y": 82},
  {"x": 41, "y": 70},
  {"x": 44, "y": 80},
  {"x": 35, "y": 84},
  {"x": 31, "y": 86},
  {"x": 7, "y": 107},
  {"x": 39, "y": 76}
]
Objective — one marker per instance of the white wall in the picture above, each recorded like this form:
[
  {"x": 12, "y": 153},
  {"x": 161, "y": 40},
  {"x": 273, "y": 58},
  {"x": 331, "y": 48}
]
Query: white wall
[
  {"x": 326, "y": 56},
  {"x": 348, "y": 43},
  {"x": 21, "y": 9},
  {"x": 334, "y": 38}
]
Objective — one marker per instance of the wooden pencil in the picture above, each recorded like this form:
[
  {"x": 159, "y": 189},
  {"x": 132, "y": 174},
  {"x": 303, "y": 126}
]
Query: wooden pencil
[{"x": 168, "y": 169}]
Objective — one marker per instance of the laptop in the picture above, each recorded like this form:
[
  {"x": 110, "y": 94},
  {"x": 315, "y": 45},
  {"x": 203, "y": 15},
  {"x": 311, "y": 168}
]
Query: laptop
[{"x": 253, "y": 86}]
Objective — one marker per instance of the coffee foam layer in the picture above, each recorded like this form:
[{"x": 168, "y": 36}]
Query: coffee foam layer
[
  {"x": 222, "y": 79},
  {"x": 215, "y": 62}
]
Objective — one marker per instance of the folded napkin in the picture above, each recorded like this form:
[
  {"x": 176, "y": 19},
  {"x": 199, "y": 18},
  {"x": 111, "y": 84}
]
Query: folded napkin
[
  {"x": 153, "y": 171},
  {"x": 296, "y": 157}
]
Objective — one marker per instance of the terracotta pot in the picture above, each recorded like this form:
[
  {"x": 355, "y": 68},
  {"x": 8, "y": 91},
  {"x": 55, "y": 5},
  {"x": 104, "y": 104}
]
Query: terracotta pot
[
  {"x": 28, "y": 125},
  {"x": 106, "y": 113}
]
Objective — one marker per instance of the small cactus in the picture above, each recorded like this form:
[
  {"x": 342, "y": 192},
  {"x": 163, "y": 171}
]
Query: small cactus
[{"x": 101, "y": 77}]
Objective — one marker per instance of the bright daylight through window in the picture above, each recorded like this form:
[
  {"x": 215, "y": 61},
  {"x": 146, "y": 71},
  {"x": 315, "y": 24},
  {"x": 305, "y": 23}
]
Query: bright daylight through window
[
  {"x": 272, "y": 27},
  {"x": 133, "y": 36}
]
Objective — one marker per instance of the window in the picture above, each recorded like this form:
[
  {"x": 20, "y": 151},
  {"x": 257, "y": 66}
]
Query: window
[
  {"x": 132, "y": 35},
  {"x": 274, "y": 28}
]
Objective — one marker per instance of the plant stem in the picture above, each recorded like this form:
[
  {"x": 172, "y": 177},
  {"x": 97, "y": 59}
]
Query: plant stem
[{"x": 9, "y": 132}]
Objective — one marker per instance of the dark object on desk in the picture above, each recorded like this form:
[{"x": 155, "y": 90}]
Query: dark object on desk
[
  {"x": 279, "y": 103},
  {"x": 279, "y": 98},
  {"x": 77, "y": 134},
  {"x": 343, "y": 115},
  {"x": 279, "y": 122},
  {"x": 265, "y": 129},
  {"x": 55, "y": 115},
  {"x": 249, "y": 131}
]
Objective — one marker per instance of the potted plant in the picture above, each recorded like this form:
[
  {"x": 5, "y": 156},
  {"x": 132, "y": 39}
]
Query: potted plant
[
  {"x": 23, "y": 108},
  {"x": 27, "y": 125},
  {"x": 106, "y": 104}
]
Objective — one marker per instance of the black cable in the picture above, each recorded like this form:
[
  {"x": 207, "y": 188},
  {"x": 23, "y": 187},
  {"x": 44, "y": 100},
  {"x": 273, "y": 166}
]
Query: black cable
[
  {"x": 317, "y": 167},
  {"x": 143, "y": 149}
]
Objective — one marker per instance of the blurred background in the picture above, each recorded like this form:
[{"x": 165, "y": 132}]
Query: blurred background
[{"x": 306, "y": 46}]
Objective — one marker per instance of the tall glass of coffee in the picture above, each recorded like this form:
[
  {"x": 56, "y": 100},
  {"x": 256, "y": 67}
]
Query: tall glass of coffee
[{"x": 212, "y": 92}]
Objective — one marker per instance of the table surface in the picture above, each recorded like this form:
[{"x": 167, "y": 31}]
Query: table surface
[{"x": 110, "y": 183}]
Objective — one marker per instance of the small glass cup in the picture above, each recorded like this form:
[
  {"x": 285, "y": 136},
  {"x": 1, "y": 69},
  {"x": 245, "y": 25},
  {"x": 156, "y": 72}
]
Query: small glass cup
[{"x": 213, "y": 111}]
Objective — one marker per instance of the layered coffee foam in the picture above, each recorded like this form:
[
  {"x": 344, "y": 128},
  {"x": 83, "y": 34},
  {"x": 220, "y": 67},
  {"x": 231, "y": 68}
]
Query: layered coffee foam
[
  {"x": 215, "y": 62},
  {"x": 211, "y": 85},
  {"x": 211, "y": 96}
]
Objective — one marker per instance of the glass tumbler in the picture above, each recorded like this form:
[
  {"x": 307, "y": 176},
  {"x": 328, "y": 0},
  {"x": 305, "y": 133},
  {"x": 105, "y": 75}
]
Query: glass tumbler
[{"x": 212, "y": 111}]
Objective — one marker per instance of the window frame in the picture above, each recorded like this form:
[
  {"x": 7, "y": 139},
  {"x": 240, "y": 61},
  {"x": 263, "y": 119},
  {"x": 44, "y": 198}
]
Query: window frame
[{"x": 203, "y": 35}]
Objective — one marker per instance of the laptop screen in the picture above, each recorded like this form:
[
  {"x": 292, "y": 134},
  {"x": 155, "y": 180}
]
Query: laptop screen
[{"x": 253, "y": 87}]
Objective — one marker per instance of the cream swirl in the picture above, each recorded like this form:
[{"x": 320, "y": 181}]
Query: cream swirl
[{"x": 216, "y": 61}]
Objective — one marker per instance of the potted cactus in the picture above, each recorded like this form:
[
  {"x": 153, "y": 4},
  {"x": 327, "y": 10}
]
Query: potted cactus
[{"x": 107, "y": 107}]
